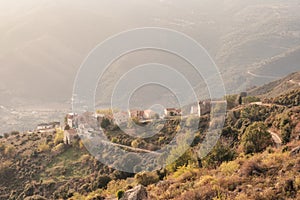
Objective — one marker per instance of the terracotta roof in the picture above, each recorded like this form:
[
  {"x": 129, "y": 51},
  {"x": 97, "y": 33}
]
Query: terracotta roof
[
  {"x": 168, "y": 109},
  {"x": 173, "y": 109}
]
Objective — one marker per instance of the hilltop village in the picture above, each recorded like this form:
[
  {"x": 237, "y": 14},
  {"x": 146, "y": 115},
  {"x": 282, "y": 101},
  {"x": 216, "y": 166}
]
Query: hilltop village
[
  {"x": 256, "y": 156},
  {"x": 75, "y": 123}
]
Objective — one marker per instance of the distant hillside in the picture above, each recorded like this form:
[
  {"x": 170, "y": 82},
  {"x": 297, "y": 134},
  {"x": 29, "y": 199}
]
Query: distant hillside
[
  {"x": 280, "y": 65},
  {"x": 278, "y": 87},
  {"x": 42, "y": 45}
]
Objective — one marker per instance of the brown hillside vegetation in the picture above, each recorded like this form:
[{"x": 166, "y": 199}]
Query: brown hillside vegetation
[{"x": 246, "y": 163}]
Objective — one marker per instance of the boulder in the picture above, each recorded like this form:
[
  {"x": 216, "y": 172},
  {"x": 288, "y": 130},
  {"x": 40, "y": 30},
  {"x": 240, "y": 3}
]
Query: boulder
[
  {"x": 295, "y": 151},
  {"x": 35, "y": 197},
  {"x": 137, "y": 193}
]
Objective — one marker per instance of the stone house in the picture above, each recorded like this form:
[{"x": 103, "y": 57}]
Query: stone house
[
  {"x": 137, "y": 114},
  {"x": 150, "y": 114},
  {"x": 205, "y": 107},
  {"x": 172, "y": 112},
  {"x": 195, "y": 110},
  {"x": 70, "y": 136},
  {"x": 44, "y": 127},
  {"x": 121, "y": 117},
  {"x": 72, "y": 120}
]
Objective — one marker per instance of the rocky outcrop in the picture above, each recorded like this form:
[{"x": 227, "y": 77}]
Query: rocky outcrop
[
  {"x": 137, "y": 193},
  {"x": 35, "y": 197},
  {"x": 295, "y": 151}
]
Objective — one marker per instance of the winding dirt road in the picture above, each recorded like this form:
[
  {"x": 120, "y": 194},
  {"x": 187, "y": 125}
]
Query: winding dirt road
[{"x": 275, "y": 138}]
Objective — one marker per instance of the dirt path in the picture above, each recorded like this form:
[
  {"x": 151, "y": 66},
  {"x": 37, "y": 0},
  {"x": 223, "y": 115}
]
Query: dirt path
[
  {"x": 124, "y": 146},
  {"x": 266, "y": 104},
  {"x": 275, "y": 138},
  {"x": 131, "y": 148},
  {"x": 294, "y": 82},
  {"x": 262, "y": 76},
  {"x": 256, "y": 103}
]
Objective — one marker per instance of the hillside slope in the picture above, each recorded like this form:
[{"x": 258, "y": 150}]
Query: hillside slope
[
  {"x": 241, "y": 165},
  {"x": 278, "y": 87}
]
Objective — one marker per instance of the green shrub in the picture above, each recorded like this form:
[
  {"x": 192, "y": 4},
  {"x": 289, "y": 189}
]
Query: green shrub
[
  {"x": 193, "y": 121},
  {"x": 146, "y": 178},
  {"x": 297, "y": 183},
  {"x": 114, "y": 140},
  {"x": 10, "y": 151},
  {"x": 251, "y": 99},
  {"x": 85, "y": 158},
  {"x": 231, "y": 101},
  {"x": 181, "y": 155},
  {"x": 101, "y": 181},
  {"x": 43, "y": 147},
  {"x": 120, "y": 194},
  {"x": 115, "y": 185},
  {"x": 183, "y": 160},
  {"x": 135, "y": 143},
  {"x": 229, "y": 168},
  {"x": 229, "y": 132},
  {"x": 220, "y": 153},
  {"x": 92, "y": 196},
  {"x": 14, "y": 133},
  {"x": 105, "y": 123},
  {"x": 5, "y": 169},
  {"x": 185, "y": 173},
  {"x": 59, "y": 148},
  {"x": 286, "y": 134},
  {"x": 256, "y": 138},
  {"x": 2, "y": 147},
  {"x": 129, "y": 161},
  {"x": 59, "y": 137}
]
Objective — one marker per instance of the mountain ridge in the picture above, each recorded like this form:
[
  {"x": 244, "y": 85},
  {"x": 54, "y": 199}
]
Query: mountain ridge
[{"x": 278, "y": 87}]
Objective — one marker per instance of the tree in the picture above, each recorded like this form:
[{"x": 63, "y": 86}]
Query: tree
[
  {"x": 256, "y": 138},
  {"x": 135, "y": 143},
  {"x": 101, "y": 181},
  {"x": 230, "y": 132},
  {"x": 14, "y": 133},
  {"x": 120, "y": 194},
  {"x": 105, "y": 123},
  {"x": 220, "y": 153},
  {"x": 129, "y": 162},
  {"x": 239, "y": 100},
  {"x": 10, "y": 151},
  {"x": 59, "y": 137},
  {"x": 43, "y": 147},
  {"x": 6, "y": 135},
  {"x": 251, "y": 99},
  {"x": 2, "y": 147},
  {"x": 67, "y": 127},
  {"x": 286, "y": 133},
  {"x": 146, "y": 178},
  {"x": 181, "y": 154},
  {"x": 231, "y": 101},
  {"x": 193, "y": 122},
  {"x": 179, "y": 158},
  {"x": 6, "y": 172}
]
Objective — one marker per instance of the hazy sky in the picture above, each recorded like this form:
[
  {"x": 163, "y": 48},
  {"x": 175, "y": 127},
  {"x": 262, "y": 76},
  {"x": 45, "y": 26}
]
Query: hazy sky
[{"x": 43, "y": 42}]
